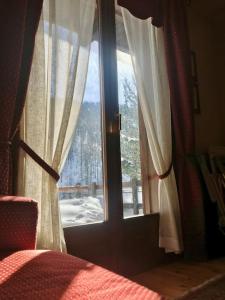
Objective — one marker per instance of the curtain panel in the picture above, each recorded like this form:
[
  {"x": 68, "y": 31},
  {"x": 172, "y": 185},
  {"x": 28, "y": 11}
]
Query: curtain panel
[
  {"x": 54, "y": 97},
  {"x": 18, "y": 25},
  {"x": 171, "y": 14},
  {"x": 147, "y": 51},
  {"x": 144, "y": 9},
  {"x": 180, "y": 80}
]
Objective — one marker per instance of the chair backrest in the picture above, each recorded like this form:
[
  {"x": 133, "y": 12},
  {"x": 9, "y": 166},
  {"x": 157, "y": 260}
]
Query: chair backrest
[{"x": 18, "y": 223}]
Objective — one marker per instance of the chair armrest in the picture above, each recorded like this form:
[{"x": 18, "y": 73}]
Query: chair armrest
[{"x": 18, "y": 223}]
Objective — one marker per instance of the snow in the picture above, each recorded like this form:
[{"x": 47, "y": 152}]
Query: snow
[
  {"x": 129, "y": 139},
  {"x": 87, "y": 209},
  {"x": 79, "y": 211}
]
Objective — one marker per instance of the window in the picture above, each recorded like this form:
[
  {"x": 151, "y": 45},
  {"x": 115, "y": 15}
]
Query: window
[
  {"x": 102, "y": 176},
  {"x": 129, "y": 134},
  {"x": 81, "y": 180}
]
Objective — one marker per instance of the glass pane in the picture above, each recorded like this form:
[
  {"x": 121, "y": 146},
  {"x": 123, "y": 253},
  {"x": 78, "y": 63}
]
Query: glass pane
[
  {"x": 129, "y": 135},
  {"x": 81, "y": 183}
]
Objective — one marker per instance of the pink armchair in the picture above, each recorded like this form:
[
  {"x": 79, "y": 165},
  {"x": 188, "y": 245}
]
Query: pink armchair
[
  {"x": 18, "y": 222},
  {"x": 26, "y": 273}
]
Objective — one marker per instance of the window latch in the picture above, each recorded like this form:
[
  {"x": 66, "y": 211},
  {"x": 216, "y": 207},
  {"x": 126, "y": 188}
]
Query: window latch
[
  {"x": 115, "y": 125},
  {"x": 118, "y": 116},
  {"x": 120, "y": 122}
]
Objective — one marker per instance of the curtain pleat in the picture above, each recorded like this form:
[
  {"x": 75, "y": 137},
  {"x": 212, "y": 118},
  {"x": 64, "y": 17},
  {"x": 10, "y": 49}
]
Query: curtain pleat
[
  {"x": 146, "y": 47},
  {"x": 54, "y": 98}
]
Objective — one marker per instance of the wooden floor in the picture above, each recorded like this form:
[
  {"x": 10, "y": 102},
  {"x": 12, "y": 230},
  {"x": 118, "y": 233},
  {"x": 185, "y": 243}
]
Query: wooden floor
[{"x": 174, "y": 279}]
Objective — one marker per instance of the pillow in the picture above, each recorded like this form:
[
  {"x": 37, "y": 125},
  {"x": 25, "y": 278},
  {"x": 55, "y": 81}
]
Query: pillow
[{"x": 18, "y": 222}]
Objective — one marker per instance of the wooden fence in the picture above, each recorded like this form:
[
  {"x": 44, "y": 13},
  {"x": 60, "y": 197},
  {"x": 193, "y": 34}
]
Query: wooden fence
[{"x": 91, "y": 190}]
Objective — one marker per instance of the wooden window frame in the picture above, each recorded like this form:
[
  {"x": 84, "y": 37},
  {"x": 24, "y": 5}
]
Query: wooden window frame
[{"x": 106, "y": 243}]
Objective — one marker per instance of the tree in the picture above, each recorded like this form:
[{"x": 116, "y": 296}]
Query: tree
[
  {"x": 84, "y": 161},
  {"x": 130, "y": 148}
]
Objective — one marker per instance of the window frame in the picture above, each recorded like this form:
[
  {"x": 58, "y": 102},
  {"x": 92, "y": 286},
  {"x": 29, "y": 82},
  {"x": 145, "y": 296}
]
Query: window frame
[
  {"x": 110, "y": 112},
  {"x": 120, "y": 244},
  {"x": 110, "y": 127}
]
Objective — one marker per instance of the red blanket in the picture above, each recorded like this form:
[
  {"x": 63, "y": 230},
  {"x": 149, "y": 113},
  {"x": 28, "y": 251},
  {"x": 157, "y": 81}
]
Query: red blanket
[{"x": 49, "y": 275}]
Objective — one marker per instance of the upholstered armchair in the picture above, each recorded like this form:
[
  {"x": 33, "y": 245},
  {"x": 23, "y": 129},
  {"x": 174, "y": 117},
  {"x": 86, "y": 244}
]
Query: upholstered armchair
[
  {"x": 18, "y": 223},
  {"x": 26, "y": 273}
]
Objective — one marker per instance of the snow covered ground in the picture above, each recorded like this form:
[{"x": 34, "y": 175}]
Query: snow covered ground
[
  {"x": 86, "y": 210},
  {"x": 79, "y": 211}
]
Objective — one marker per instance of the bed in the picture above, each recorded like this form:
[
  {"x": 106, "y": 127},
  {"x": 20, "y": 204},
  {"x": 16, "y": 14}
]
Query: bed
[{"x": 26, "y": 273}]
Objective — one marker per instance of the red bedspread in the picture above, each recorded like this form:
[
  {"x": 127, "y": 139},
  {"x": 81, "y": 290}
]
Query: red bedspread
[{"x": 48, "y": 275}]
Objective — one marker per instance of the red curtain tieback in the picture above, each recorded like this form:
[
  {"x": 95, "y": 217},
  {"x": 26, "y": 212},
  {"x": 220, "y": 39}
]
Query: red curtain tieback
[
  {"x": 31, "y": 153},
  {"x": 163, "y": 176},
  {"x": 39, "y": 160},
  {"x": 167, "y": 173}
]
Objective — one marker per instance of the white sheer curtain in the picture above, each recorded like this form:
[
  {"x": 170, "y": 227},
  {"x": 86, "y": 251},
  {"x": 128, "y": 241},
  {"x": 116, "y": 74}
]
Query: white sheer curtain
[
  {"x": 147, "y": 50},
  {"x": 54, "y": 98}
]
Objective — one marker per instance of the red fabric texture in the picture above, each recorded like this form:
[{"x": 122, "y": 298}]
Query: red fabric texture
[
  {"x": 18, "y": 25},
  {"x": 41, "y": 275},
  {"x": 144, "y": 9},
  {"x": 180, "y": 81},
  {"x": 18, "y": 222}
]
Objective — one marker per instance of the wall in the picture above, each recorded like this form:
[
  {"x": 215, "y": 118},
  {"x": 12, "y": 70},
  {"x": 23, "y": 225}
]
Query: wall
[
  {"x": 207, "y": 40},
  {"x": 129, "y": 249}
]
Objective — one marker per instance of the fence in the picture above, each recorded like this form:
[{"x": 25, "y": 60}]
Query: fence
[{"x": 91, "y": 190}]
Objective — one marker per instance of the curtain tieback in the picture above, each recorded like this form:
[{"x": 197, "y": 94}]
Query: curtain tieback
[
  {"x": 167, "y": 173},
  {"x": 31, "y": 153},
  {"x": 39, "y": 160}
]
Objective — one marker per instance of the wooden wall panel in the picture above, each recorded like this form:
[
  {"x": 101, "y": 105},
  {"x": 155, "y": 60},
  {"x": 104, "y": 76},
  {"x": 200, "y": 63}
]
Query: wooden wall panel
[{"x": 131, "y": 251}]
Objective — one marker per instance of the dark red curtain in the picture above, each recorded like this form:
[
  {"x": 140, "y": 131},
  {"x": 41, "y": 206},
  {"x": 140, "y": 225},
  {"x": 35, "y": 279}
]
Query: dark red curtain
[
  {"x": 180, "y": 81},
  {"x": 144, "y": 9},
  {"x": 18, "y": 25}
]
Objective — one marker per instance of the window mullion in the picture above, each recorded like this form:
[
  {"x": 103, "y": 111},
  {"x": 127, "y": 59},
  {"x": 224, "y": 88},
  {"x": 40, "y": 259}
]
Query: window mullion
[{"x": 110, "y": 111}]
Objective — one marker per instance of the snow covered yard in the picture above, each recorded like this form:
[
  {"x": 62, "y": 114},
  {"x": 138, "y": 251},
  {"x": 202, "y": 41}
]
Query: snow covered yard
[
  {"x": 87, "y": 209},
  {"x": 79, "y": 211}
]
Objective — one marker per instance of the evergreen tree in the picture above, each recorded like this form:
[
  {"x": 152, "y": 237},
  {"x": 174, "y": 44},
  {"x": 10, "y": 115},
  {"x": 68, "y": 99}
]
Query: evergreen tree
[
  {"x": 130, "y": 150},
  {"x": 84, "y": 162}
]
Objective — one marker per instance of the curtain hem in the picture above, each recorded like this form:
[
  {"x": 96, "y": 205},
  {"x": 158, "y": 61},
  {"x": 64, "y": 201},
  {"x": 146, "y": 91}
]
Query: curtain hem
[{"x": 170, "y": 245}]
